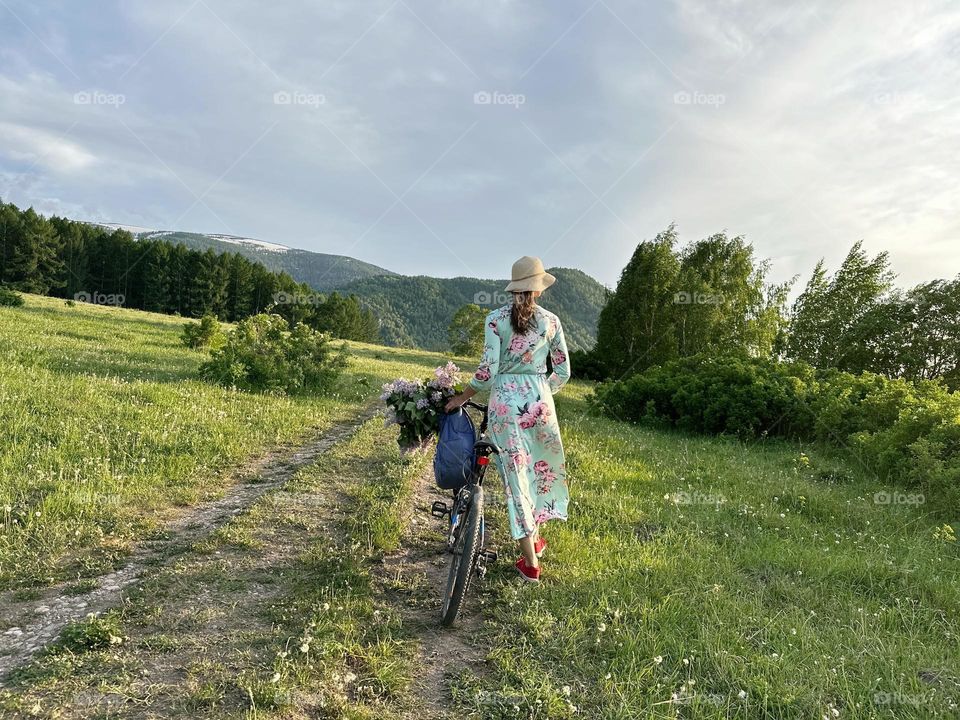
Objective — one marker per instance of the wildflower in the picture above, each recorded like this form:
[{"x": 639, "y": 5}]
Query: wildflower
[{"x": 658, "y": 659}]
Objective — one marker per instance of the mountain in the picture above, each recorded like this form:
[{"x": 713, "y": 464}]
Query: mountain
[
  {"x": 319, "y": 270},
  {"x": 415, "y": 311}
]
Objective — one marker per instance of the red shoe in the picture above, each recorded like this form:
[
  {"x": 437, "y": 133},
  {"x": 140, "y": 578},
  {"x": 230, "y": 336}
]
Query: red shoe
[
  {"x": 530, "y": 574},
  {"x": 540, "y": 546}
]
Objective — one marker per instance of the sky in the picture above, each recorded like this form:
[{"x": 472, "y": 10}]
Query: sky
[{"x": 450, "y": 138}]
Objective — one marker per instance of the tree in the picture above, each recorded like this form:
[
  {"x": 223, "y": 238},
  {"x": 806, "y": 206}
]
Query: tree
[
  {"x": 636, "y": 327},
  {"x": 723, "y": 304},
  {"x": 828, "y": 319},
  {"x": 344, "y": 317},
  {"x": 465, "y": 331},
  {"x": 914, "y": 335},
  {"x": 29, "y": 246}
]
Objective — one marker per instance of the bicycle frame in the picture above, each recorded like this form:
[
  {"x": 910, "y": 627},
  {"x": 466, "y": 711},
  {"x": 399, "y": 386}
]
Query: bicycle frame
[{"x": 482, "y": 450}]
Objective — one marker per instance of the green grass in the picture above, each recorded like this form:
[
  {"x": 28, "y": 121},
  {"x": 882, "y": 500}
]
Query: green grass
[
  {"x": 107, "y": 431},
  {"x": 696, "y": 578},
  {"x": 708, "y": 578},
  {"x": 255, "y": 629}
]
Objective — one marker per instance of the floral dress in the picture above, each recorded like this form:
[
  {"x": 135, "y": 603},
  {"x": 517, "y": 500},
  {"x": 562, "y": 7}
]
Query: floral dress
[{"x": 522, "y": 417}]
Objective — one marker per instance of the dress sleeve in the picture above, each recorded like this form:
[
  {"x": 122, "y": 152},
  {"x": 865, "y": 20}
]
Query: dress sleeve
[
  {"x": 487, "y": 370},
  {"x": 560, "y": 360}
]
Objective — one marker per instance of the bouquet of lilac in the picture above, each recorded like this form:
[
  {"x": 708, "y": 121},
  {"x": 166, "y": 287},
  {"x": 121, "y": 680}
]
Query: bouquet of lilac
[{"x": 416, "y": 405}]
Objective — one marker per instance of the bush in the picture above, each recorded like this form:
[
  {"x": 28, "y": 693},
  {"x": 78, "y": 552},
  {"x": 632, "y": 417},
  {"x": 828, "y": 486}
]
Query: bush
[
  {"x": 9, "y": 298},
  {"x": 262, "y": 353},
  {"x": 906, "y": 432},
  {"x": 587, "y": 365},
  {"x": 747, "y": 397},
  {"x": 204, "y": 334}
]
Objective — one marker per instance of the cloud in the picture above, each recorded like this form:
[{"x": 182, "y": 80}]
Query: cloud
[
  {"x": 36, "y": 147},
  {"x": 804, "y": 127}
]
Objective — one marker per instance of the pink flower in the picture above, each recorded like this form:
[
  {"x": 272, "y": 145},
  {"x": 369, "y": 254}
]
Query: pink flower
[
  {"x": 483, "y": 373},
  {"x": 540, "y": 466},
  {"x": 520, "y": 459},
  {"x": 527, "y": 420},
  {"x": 500, "y": 409},
  {"x": 518, "y": 345},
  {"x": 559, "y": 358}
]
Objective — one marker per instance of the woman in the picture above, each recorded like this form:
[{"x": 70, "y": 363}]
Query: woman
[{"x": 523, "y": 422}]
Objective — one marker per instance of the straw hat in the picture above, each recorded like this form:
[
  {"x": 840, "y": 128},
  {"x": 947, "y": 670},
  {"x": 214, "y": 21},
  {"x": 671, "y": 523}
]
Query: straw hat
[{"x": 528, "y": 274}]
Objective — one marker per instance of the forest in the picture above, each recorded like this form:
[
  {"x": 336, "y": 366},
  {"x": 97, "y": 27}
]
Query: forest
[{"x": 83, "y": 262}]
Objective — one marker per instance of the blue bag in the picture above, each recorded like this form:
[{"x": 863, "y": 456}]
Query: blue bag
[{"x": 453, "y": 461}]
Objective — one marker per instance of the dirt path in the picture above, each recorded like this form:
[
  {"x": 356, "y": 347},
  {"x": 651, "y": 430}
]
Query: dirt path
[
  {"x": 411, "y": 580},
  {"x": 29, "y": 625},
  {"x": 213, "y": 621}
]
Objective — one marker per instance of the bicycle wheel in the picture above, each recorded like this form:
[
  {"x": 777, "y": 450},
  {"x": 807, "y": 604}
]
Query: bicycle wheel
[{"x": 465, "y": 551}]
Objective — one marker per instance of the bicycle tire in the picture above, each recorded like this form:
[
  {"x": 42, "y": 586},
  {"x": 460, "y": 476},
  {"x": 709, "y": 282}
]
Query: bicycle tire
[{"x": 465, "y": 551}]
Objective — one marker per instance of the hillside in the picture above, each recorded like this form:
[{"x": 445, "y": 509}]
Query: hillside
[
  {"x": 415, "y": 311},
  {"x": 321, "y": 271},
  {"x": 697, "y": 577}
]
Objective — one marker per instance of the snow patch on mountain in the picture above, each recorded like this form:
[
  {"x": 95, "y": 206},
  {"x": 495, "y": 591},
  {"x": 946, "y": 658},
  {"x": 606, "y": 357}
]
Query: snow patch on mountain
[
  {"x": 132, "y": 229},
  {"x": 272, "y": 247}
]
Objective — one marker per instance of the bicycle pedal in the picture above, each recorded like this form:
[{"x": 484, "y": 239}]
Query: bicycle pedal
[
  {"x": 489, "y": 556},
  {"x": 439, "y": 509}
]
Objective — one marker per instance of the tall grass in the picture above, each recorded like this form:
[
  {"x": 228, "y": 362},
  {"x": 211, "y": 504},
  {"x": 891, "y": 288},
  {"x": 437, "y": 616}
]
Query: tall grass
[
  {"x": 107, "y": 430},
  {"x": 711, "y": 578}
]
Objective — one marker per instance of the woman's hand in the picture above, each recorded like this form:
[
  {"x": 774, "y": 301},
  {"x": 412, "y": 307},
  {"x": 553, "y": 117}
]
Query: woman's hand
[
  {"x": 455, "y": 402},
  {"x": 458, "y": 400}
]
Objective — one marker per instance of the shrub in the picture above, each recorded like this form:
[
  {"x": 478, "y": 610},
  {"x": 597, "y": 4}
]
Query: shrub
[
  {"x": 747, "y": 397},
  {"x": 262, "y": 353},
  {"x": 905, "y": 432},
  {"x": 9, "y": 298},
  {"x": 204, "y": 334},
  {"x": 587, "y": 365}
]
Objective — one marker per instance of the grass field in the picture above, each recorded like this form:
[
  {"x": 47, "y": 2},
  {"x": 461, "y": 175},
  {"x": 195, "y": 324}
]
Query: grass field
[
  {"x": 107, "y": 431},
  {"x": 696, "y": 578}
]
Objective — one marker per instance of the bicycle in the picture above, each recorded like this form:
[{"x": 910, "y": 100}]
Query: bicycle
[{"x": 466, "y": 538}]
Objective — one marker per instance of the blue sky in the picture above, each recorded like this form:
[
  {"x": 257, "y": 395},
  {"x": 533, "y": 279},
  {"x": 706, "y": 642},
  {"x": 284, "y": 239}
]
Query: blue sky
[{"x": 450, "y": 138}]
